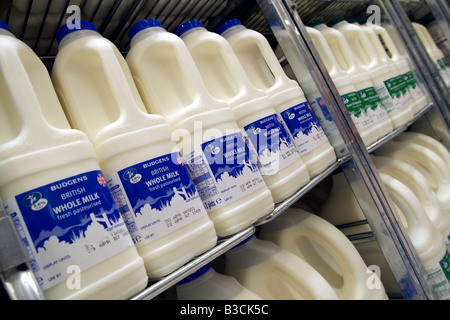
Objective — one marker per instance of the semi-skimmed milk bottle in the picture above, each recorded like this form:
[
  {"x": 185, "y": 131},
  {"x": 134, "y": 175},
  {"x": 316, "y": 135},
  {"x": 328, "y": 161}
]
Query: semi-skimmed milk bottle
[
  {"x": 426, "y": 161},
  {"x": 418, "y": 184},
  {"x": 345, "y": 88},
  {"x": 433, "y": 50},
  {"x": 143, "y": 168},
  {"x": 217, "y": 157},
  {"x": 372, "y": 105},
  {"x": 419, "y": 100},
  {"x": 274, "y": 273},
  {"x": 208, "y": 284},
  {"x": 54, "y": 190},
  {"x": 384, "y": 73},
  {"x": 279, "y": 162},
  {"x": 327, "y": 250},
  {"x": 425, "y": 237},
  {"x": 265, "y": 72}
]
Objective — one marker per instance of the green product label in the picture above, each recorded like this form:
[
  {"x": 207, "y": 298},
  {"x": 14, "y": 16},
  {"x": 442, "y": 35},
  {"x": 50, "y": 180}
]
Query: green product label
[
  {"x": 353, "y": 103},
  {"x": 355, "y": 106},
  {"x": 410, "y": 80},
  {"x": 395, "y": 86},
  {"x": 369, "y": 98},
  {"x": 439, "y": 276}
]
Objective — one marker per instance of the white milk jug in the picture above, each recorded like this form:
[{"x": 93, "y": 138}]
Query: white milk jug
[
  {"x": 425, "y": 161},
  {"x": 207, "y": 284},
  {"x": 265, "y": 72},
  {"x": 418, "y": 101},
  {"x": 433, "y": 50},
  {"x": 344, "y": 56},
  {"x": 54, "y": 190},
  {"x": 426, "y": 141},
  {"x": 279, "y": 162},
  {"x": 327, "y": 250},
  {"x": 384, "y": 74},
  {"x": 143, "y": 167},
  {"x": 425, "y": 237},
  {"x": 215, "y": 152},
  {"x": 418, "y": 184},
  {"x": 274, "y": 273},
  {"x": 345, "y": 88}
]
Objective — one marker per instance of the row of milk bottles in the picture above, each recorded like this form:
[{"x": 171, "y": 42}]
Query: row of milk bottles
[
  {"x": 115, "y": 171},
  {"x": 415, "y": 170},
  {"x": 379, "y": 91},
  {"x": 297, "y": 256}
]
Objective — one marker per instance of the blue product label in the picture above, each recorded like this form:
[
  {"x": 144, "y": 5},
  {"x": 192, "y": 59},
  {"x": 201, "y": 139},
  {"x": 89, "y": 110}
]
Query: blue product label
[
  {"x": 73, "y": 221},
  {"x": 306, "y": 132},
  {"x": 156, "y": 197},
  {"x": 224, "y": 170},
  {"x": 272, "y": 143}
]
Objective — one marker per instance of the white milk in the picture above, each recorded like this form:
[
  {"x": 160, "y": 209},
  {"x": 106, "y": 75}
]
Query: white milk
[
  {"x": 418, "y": 99},
  {"x": 327, "y": 250},
  {"x": 433, "y": 50},
  {"x": 383, "y": 72},
  {"x": 265, "y": 72},
  {"x": 274, "y": 273},
  {"x": 214, "y": 149},
  {"x": 372, "y": 105},
  {"x": 54, "y": 190},
  {"x": 345, "y": 88},
  {"x": 425, "y": 161},
  {"x": 143, "y": 167},
  {"x": 418, "y": 184},
  {"x": 425, "y": 237},
  {"x": 279, "y": 162},
  {"x": 207, "y": 284},
  {"x": 426, "y": 141}
]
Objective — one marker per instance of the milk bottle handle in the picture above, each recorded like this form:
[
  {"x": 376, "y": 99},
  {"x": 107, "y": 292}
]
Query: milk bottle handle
[
  {"x": 380, "y": 31},
  {"x": 331, "y": 239},
  {"x": 322, "y": 46},
  {"x": 416, "y": 180},
  {"x": 432, "y": 162},
  {"x": 406, "y": 201},
  {"x": 34, "y": 123}
]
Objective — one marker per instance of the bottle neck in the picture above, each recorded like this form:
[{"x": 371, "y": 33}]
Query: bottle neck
[
  {"x": 186, "y": 33},
  {"x": 5, "y": 32},
  {"x": 145, "y": 33},
  {"x": 231, "y": 31},
  {"x": 76, "y": 35}
]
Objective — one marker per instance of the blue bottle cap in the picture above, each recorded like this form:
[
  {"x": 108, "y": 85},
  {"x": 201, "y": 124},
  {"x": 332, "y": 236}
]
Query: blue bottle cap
[
  {"x": 195, "y": 275},
  {"x": 242, "y": 242},
  {"x": 188, "y": 25},
  {"x": 3, "y": 25},
  {"x": 227, "y": 25},
  {"x": 141, "y": 25},
  {"x": 64, "y": 30}
]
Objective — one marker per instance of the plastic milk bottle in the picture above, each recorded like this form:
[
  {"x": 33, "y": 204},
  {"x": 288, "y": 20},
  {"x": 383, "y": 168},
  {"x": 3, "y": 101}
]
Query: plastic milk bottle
[
  {"x": 265, "y": 72},
  {"x": 425, "y": 161},
  {"x": 143, "y": 168},
  {"x": 383, "y": 71},
  {"x": 55, "y": 192},
  {"x": 345, "y": 88},
  {"x": 433, "y": 50},
  {"x": 327, "y": 250},
  {"x": 426, "y": 141},
  {"x": 418, "y": 184},
  {"x": 425, "y": 237},
  {"x": 274, "y": 273},
  {"x": 279, "y": 162},
  {"x": 207, "y": 284},
  {"x": 419, "y": 100},
  {"x": 364, "y": 86},
  {"x": 217, "y": 157}
]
